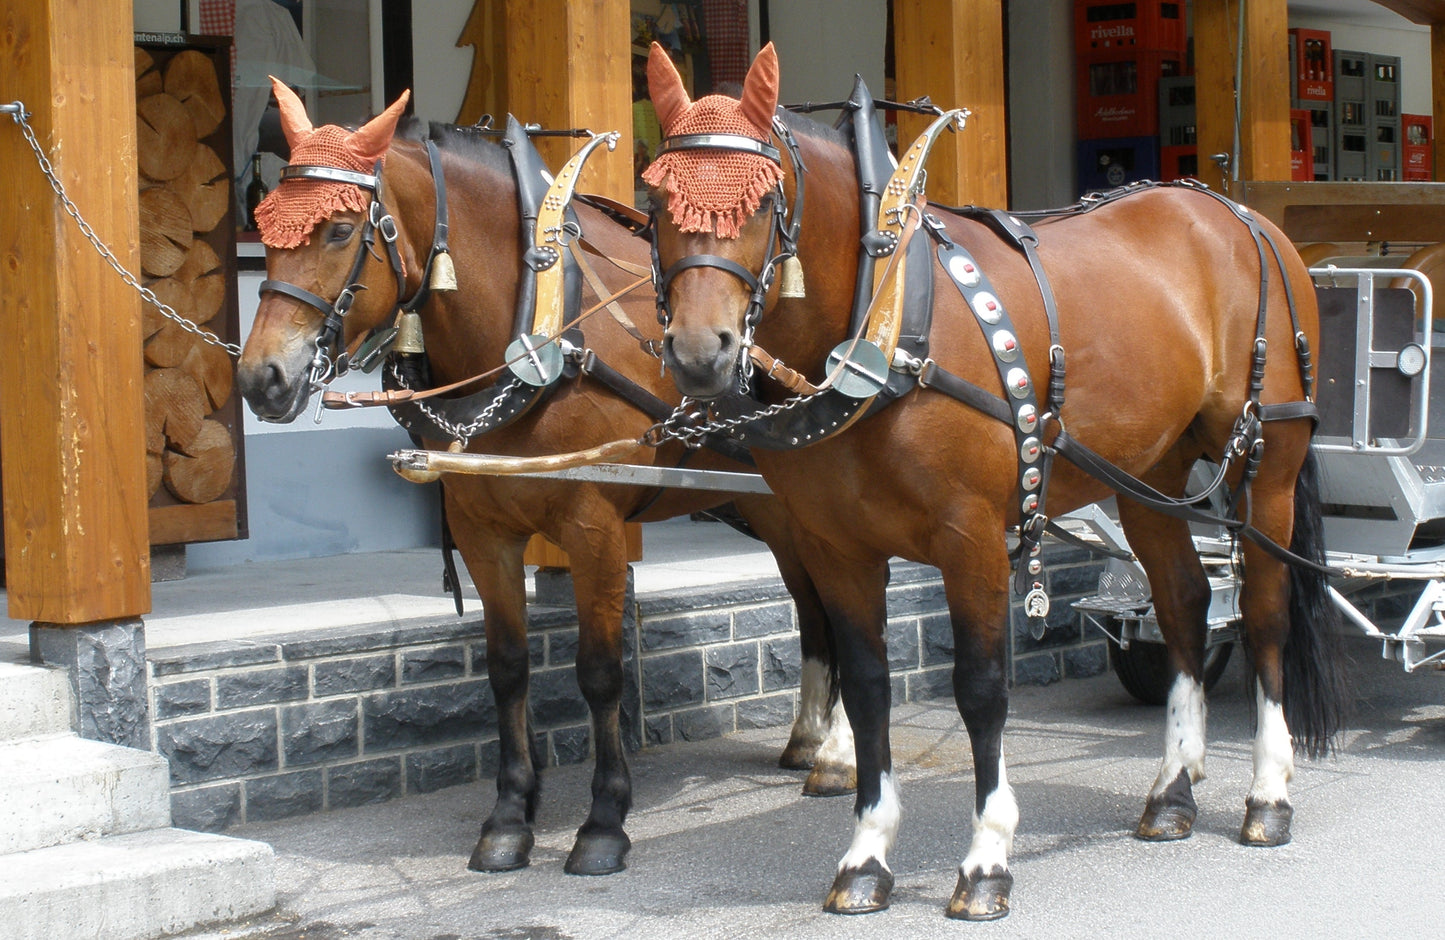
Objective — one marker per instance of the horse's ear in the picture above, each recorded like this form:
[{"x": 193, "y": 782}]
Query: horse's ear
[
  {"x": 370, "y": 143},
  {"x": 294, "y": 122},
  {"x": 760, "y": 89},
  {"x": 664, "y": 87}
]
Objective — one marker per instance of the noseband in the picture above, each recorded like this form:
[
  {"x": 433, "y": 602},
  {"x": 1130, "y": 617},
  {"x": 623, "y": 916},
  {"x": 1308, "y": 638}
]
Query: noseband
[
  {"x": 782, "y": 234},
  {"x": 330, "y": 360}
]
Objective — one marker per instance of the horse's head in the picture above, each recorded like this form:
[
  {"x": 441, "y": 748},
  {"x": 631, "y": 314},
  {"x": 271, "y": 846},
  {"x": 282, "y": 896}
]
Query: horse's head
[
  {"x": 333, "y": 273},
  {"x": 722, "y": 234}
]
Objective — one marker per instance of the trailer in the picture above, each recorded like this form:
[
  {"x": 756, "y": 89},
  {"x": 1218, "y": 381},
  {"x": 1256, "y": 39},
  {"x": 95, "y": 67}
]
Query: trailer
[{"x": 1381, "y": 447}]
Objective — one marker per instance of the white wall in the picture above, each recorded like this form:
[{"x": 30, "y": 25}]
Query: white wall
[
  {"x": 157, "y": 16},
  {"x": 440, "y": 68},
  {"x": 822, "y": 44},
  {"x": 1041, "y": 104}
]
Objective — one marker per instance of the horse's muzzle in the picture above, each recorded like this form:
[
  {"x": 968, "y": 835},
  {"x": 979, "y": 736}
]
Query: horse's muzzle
[
  {"x": 272, "y": 395},
  {"x": 703, "y": 363}
]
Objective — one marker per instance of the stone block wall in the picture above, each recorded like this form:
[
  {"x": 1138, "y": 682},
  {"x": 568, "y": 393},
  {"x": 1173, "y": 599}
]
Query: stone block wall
[{"x": 296, "y": 724}]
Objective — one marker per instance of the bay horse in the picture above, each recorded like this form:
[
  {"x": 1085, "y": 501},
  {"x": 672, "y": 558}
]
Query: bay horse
[
  {"x": 1166, "y": 302},
  {"x": 320, "y": 225}
]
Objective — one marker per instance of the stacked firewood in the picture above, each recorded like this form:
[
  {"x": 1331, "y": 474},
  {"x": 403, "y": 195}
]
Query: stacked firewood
[{"x": 185, "y": 196}]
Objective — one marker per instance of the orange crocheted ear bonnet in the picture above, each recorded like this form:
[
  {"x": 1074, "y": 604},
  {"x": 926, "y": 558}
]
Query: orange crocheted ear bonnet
[
  {"x": 714, "y": 190},
  {"x": 287, "y": 216}
]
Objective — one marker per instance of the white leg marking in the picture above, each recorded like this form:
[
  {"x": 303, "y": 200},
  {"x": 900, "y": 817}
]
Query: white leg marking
[
  {"x": 812, "y": 721},
  {"x": 876, "y": 829},
  {"x": 837, "y": 748},
  {"x": 1273, "y": 753},
  {"x": 1183, "y": 734},
  {"x": 993, "y": 832}
]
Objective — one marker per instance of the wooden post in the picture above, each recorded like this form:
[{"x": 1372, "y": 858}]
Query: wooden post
[
  {"x": 1437, "y": 89},
  {"x": 952, "y": 50},
  {"x": 1264, "y": 96},
  {"x": 76, "y": 541},
  {"x": 569, "y": 65}
]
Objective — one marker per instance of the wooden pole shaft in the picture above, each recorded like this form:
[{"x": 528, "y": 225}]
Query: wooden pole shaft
[{"x": 72, "y": 435}]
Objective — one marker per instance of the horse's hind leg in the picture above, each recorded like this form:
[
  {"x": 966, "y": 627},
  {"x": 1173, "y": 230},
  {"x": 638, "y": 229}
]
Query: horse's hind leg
[
  {"x": 1290, "y": 625},
  {"x": 599, "y": 576},
  {"x": 495, "y": 563},
  {"x": 1181, "y": 594},
  {"x": 821, "y": 740}
]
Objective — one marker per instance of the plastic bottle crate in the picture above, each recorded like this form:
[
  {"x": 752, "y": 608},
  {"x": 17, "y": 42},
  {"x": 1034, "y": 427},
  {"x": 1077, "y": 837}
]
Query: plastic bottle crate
[
  {"x": 1176, "y": 111},
  {"x": 1108, "y": 27},
  {"x": 1311, "y": 74},
  {"x": 1416, "y": 151},
  {"x": 1118, "y": 96},
  {"x": 1112, "y": 162}
]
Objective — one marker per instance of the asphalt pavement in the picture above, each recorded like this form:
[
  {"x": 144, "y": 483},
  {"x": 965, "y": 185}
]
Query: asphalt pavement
[{"x": 724, "y": 845}]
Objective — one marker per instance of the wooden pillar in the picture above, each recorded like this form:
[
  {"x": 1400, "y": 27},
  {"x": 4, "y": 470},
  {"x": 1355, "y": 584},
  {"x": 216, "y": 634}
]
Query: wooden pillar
[
  {"x": 1437, "y": 91},
  {"x": 952, "y": 50},
  {"x": 1264, "y": 96},
  {"x": 73, "y": 445},
  {"x": 569, "y": 64}
]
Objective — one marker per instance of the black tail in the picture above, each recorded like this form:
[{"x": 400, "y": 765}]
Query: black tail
[{"x": 1315, "y": 689}]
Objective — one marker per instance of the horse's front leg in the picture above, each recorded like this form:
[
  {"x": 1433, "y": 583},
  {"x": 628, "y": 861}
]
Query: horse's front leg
[
  {"x": 599, "y": 576},
  {"x": 853, "y": 595},
  {"x": 977, "y": 589},
  {"x": 495, "y": 563}
]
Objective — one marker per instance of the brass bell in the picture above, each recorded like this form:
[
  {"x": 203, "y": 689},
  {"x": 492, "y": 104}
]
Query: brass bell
[
  {"x": 443, "y": 273},
  {"x": 790, "y": 283},
  {"x": 408, "y": 334}
]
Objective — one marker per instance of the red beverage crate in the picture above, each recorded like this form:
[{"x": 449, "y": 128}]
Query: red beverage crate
[
  {"x": 1177, "y": 163},
  {"x": 1118, "y": 96},
  {"x": 1314, "y": 75},
  {"x": 1301, "y": 145},
  {"x": 1108, "y": 27},
  {"x": 1416, "y": 152}
]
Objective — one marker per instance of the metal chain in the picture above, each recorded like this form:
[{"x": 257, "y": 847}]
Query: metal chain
[
  {"x": 17, "y": 111},
  {"x": 677, "y": 427},
  {"x": 462, "y": 434}
]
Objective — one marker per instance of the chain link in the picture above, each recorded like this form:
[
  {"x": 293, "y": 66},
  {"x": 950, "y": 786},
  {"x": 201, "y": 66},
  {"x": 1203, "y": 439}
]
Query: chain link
[
  {"x": 18, "y": 112},
  {"x": 678, "y": 427},
  {"x": 461, "y": 433}
]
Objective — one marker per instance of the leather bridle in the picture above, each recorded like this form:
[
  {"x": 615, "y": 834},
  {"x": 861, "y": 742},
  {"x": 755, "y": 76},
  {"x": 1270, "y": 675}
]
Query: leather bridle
[
  {"x": 782, "y": 232},
  {"x": 331, "y": 359}
]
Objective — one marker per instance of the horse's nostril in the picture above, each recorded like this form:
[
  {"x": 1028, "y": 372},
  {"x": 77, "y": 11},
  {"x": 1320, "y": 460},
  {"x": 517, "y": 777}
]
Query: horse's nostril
[{"x": 726, "y": 340}]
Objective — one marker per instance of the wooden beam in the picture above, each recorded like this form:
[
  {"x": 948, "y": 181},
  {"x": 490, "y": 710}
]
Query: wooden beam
[
  {"x": 952, "y": 50},
  {"x": 1422, "y": 12},
  {"x": 1437, "y": 90},
  {"x": 569, "y": 64},
  {"x": 1264, "y": 95},
  {"x": 72, "y": 437}
]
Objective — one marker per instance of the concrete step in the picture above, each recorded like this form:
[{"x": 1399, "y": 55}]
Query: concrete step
[
  {"x": 134, "y": 886},
  {"x": 34, "y": 700},
  {"x": 62, "y": 788}
]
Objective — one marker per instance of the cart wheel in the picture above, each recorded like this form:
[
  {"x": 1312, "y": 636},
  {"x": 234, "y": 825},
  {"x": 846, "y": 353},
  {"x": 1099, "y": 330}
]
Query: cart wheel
[{"x": 1143, "y": 669}]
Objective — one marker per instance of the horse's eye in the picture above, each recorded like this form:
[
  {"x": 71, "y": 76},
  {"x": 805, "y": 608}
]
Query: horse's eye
[{"x": 341, "y": 232}]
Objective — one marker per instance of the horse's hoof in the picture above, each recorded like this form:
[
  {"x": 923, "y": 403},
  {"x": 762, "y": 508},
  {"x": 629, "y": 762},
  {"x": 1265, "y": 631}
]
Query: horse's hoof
[
  {"x": 598, "y": 853},
  {"x": 1169, "y": 816},
  {"x": 984, "y": 897},
  {"x": 860, "y": 890},
  {"x": 1165, "y": 823},
  {"x": 798, "y": 755},
  {"x": 1266, "y": 823},
  {"x": 502, "y": 850},
  {"x": 830, "y": 780}
]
